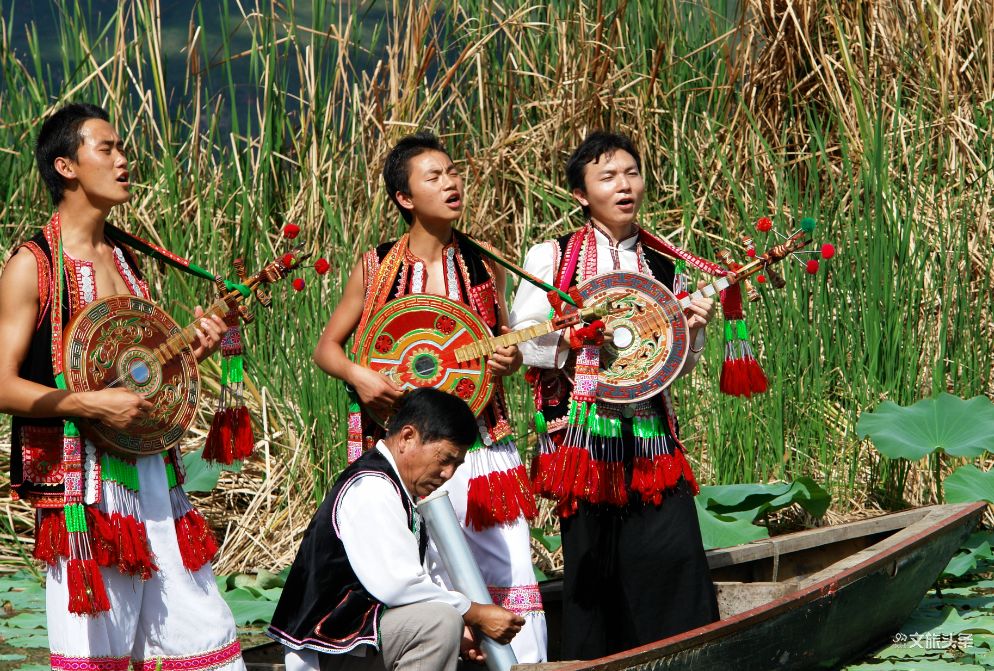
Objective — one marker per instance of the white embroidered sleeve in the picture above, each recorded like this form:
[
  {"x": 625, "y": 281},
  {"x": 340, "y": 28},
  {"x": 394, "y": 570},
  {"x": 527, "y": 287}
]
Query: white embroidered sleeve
[{"x": 531, "y": 306}]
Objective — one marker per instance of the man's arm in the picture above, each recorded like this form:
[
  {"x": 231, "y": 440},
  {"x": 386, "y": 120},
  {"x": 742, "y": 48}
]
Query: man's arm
[
  {"x": 531, "y": 306},
  {"x": 118, "y": 408},
  {"x": 505, "y": 360},
  {"x": 375, "y": 391},
  {"x": 699, "y": 314},
  {"x": 383, "y": 552}
]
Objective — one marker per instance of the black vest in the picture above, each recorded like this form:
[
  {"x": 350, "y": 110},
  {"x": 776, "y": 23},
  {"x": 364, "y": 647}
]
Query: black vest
[
  {"x": 37, "y": 367},
  {"x": 324, "y": 607}
]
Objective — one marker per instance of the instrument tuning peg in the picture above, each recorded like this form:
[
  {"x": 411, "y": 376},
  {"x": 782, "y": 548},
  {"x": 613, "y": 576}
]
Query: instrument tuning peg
[
  {"x": 264, "y": 298},
  {"x": 244, "y": 313},
  {"x": 240, "y": 269},
  {"x": 751, "y": 293}
]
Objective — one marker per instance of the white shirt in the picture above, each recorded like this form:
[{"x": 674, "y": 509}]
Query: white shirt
[
  {"x": 531, "y": 305},
  {"x": 382, "y": 549}
]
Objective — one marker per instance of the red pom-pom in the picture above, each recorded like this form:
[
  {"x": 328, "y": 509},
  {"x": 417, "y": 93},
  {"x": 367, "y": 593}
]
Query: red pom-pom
[
  {"x": 298, "y": 284},
  {"x": 761, "y": 279},
  {"x": 764, "y": 224},
  {"x": 751, "y": 252},
  {"x": 322, "y": 266},
  {"x": 290, "y": 231},
  {"x": 812, "y": 266},
  {"x": 827, "y": 251},
  {"x": 288, "y": 259}
]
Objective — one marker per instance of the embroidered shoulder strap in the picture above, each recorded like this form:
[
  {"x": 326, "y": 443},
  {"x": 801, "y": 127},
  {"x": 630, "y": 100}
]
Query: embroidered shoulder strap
[
  {"x": 379, "y": 283},
  {"x": 44, "y": 278}
]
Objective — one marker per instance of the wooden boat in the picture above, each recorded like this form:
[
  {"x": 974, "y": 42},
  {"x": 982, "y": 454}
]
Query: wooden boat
[
  {"x": 811, "y": 599},
  {"x": 806, "y": 600}
]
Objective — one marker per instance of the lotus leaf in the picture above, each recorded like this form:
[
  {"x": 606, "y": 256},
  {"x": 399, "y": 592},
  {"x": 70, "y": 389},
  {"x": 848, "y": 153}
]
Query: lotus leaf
[{"x": 961, "y": 428}]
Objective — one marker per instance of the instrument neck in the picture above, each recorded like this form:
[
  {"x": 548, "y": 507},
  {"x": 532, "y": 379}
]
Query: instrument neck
[
  {"x": 188, "y": 335},
  {"x": 488, "y": 346}
]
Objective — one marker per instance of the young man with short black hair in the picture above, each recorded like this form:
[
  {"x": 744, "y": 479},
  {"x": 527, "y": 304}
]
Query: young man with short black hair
[
  {"x": 122, "y": 590},
  {"x": 635, "y": 570},
  {"x": 434, "y": 258}
]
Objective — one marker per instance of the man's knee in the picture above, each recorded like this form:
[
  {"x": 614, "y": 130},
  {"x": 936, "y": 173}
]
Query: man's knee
[
  {"x": 443, "y": 619},
  {"x": 424, "y": 628}
]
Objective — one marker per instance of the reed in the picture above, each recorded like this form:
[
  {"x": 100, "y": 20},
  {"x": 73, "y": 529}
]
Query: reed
[{"x": 872, "y": 117}]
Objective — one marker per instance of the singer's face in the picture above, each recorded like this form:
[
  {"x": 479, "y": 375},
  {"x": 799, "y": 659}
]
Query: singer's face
[{"x": 424, "y": 467}]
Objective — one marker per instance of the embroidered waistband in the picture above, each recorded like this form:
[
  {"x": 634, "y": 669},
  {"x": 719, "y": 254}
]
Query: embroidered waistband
[
  {"x": 204, "y": 661},
  {"x": 522, "y": 600}
]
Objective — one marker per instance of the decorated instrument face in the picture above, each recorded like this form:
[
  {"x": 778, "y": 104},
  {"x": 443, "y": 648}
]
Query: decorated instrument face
[
  {"x": 413, "y": 341},
  {"x": 128, "y": 342},
  {"x": 650, "y": 341},
  {"x": 112, "y": 343}
]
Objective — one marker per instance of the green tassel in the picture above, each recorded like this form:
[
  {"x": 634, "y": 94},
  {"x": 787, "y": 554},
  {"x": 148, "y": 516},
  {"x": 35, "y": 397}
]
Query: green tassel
[
  {"x": 680, "y": 266},
  {"x": 541, "y": 426},
  {"x": 729, "y": 332},
  {"x": 171, "y": 476},
  {"x": 808, "y": 224},
  {"x": 69, "y": 429},
  {"x": 741, "y": 332},
  {"x": 75, "y": 518},
  {"x": 236, "y": 369},
  {"x": 353, "y": 407}
]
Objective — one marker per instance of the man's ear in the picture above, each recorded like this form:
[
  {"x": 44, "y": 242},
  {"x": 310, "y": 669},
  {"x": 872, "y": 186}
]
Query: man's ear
[
  {"x": 65, "y": 167},
  {"x": 409, "y": 437},
  {"x": 405, "y": 200},
  {"x": 581, "y": 197}
]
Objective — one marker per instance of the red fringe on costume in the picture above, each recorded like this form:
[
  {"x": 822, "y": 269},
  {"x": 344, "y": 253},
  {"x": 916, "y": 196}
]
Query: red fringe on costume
[
  {"x": 499, "y": 497},
  {"x": 87, "y": 595},
  {"x": 117, "y": 540}
]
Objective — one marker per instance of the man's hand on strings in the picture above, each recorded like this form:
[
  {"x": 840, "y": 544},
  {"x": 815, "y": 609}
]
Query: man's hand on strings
[
  {"x": 210, "y": 331},
  {"x": 117, "y": 407},
  {"x": 505, "y": 360},
  {"x": 376, "y": 391},
  {"x": 700, "y": 312}
]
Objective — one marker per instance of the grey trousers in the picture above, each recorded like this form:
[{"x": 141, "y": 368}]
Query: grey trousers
[{"x": 418, "y": 637}]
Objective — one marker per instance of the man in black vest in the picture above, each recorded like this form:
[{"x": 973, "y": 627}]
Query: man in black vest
[{"x": 358, "y": 588}]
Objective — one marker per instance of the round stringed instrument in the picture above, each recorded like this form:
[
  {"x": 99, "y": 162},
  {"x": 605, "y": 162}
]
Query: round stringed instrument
[
  {"x": 651, "y": 337},
  {"x": 129, "y": 342},
  {"x": 421, "y": 340}
]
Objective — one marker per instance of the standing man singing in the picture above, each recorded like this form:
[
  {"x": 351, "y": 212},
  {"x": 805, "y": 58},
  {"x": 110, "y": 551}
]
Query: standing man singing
[
  {"x": 122, "y": 589},
  {"x": 635, "y": 570},
  {"x": 434, "y": 258}
]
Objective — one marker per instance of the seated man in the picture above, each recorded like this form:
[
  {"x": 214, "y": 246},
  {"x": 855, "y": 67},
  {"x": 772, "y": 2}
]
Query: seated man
[{"x": 358, "y": 589}]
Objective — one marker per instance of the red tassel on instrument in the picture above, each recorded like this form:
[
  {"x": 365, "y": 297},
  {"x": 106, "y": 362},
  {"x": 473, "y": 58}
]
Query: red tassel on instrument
[
  {"x": 244, "y": 440},
  {"x": 757, "y": 379}
]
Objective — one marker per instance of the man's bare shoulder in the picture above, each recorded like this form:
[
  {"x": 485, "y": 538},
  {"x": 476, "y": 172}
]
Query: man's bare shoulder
[{"x": 20, "y": 276}]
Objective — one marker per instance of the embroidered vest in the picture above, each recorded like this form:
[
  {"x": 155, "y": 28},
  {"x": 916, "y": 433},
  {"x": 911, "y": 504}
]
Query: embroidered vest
[{"x": 36, "y": 444}]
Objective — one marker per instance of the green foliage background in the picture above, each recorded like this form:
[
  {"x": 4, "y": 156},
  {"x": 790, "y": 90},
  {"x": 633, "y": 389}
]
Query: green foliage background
[{"x": 871, "y": 117}]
